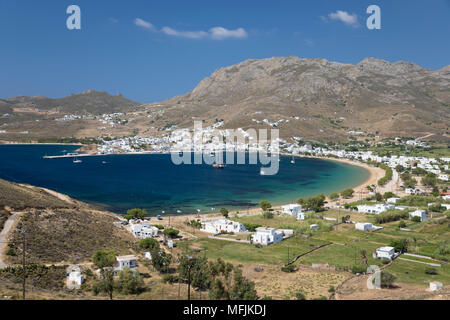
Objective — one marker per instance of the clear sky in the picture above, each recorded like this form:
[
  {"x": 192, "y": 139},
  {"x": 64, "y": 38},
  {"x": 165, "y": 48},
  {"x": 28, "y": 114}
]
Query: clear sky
[{"x": 150, "y": 50}]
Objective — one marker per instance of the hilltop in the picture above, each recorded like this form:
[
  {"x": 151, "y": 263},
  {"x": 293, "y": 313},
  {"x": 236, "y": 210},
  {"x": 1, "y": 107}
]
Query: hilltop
[{"x": 321, "y": 99}]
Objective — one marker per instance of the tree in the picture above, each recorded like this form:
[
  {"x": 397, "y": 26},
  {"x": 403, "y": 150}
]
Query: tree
[
  {"x": 388, "y": 195},
  {"x": 387, "y": 279},
  {"x": 136, "y": 214},
  {"x": 129, "y": 282},
  {"x": 105, "y": 260},
  {"x": 171, "y": 232},
  {"x": 314, "y": 203},
  {"x": 347, "y": 193},
  {"x": 402, "y": 224},
  {"x": 400, "y": 244},
  {"x": 378, "y": 197},
  {"x": 429, "y": 180},
  {"x": 148, "y": 244},
  {"x": 196, "y": 269},
  {"x": 333, "y": 195},
  {"x": 224, "y": 212},
  {"x": 400, "y": 168},
  {"x": 363, "y": 253},
  {"x": 242, "y": 289},
  {"x": 161, "y": 260},
  {"x": 265, "y": 205}
]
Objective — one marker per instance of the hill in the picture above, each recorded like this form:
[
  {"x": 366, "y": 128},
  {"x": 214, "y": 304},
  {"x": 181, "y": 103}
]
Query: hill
[
  {"x": 88, "y": 102},
  {"x": 58, "y": 228},
  {"x": 321, "y": 99}
]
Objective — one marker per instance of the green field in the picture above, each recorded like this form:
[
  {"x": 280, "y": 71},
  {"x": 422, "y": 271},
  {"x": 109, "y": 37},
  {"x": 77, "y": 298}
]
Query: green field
[
  {"x": 414, "y": 273},
  {"x": 247, "y": 253}
]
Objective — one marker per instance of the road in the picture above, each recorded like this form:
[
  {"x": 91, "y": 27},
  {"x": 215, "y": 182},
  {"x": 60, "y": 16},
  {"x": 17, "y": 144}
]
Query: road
[{"x": 4, "y": 235}]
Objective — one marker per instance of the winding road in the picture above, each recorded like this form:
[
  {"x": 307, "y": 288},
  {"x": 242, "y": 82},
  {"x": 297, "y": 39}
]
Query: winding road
[{"x": 4, "y": 235}]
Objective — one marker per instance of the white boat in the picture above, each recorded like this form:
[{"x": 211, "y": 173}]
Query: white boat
[
  {"x": 262, "y": 172},
  {"x": 77, "y": 161},
  {"x": 104, "y": 162}
]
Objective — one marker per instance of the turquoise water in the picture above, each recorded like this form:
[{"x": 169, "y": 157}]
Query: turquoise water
[{"x": 155, "y": 183}]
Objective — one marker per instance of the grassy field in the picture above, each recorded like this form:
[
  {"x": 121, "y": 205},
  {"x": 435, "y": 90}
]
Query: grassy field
[
  {"x": 414, "y": 273},
  {"x": 247, "y": 253}
]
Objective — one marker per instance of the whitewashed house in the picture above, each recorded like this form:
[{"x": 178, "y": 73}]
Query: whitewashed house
[
  {"x": 143, "y": 230},
  {"x": 385, "y": 252},
  {"x": 363, "y": 226},
  {"x": 218, "y": 225},
  {"x": 376, "y": 209},
  {"x": 129, "y": 261},
  {"x": 291, "y": 209},
  {"x": 422, "y": 214},
  {"x": 410, "y": 191},
  {"x": 267, "y": 236},
  {"x": 443, "y": 177},
  {"x": 75, "y": 279},
  {"x": 435, "y": 286},
  {"x": 392, "y": 200},
  {"x": 301, "y": 215}
]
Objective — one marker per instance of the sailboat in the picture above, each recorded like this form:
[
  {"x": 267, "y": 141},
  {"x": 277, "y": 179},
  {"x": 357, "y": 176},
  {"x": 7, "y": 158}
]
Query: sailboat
[{"x": 77, "y": 161}]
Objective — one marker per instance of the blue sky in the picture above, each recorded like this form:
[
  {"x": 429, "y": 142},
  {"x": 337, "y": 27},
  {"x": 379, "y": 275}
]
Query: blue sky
[{"x": 175, "y": 44}]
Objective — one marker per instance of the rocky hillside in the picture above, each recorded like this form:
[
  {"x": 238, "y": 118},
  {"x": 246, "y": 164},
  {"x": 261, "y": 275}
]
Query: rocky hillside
[
  {"x": 321, "y": 99},
  {"x": 90, "y": 101}
]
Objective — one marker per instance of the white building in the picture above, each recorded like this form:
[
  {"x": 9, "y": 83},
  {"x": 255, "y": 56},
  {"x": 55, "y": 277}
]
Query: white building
[
  {"x": 148, "y": 255},
  {"x": 422, "y": 214},
  {"x": 376, "y": 209},
  {"x": 267, "y": 236},
  {"x": 143, "y": 230},
  {"x": 392, "y": 200},
  {"x": 385, "y": 252},
  {"x": 301, "y": 215},
  {"x": 435, "y": 286},
  {"x": 218, "y": 225},
  {"x": 129, "y": 261},
  {"x": 443, "y": 177},
  {"x": 363, "y": 226},
  {"x": 291, "y": 209},
  {"x": 75, "y": 279}
]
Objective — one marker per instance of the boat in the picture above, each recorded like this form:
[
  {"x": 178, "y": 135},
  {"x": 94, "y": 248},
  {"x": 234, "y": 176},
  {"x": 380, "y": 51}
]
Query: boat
[
  {"x": 77, "y": 161},
  {"x": 218, "y": 165},
  {"x": 104, "y": 162},
  {"x": 262, "y": 172},
  {"x": 293, "y": 160}
]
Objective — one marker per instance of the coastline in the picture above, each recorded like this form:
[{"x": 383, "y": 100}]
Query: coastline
[{"x": 375, "y": 173}]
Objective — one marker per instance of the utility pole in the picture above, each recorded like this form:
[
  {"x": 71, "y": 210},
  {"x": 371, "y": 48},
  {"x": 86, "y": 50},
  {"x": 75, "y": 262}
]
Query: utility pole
[
  {"x": 189, "y": 281},
  {"x": 23, "y": 262}
]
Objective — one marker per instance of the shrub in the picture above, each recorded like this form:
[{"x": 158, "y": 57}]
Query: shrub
[
  {"x": 170, "y": 278},
  {"x": 347, "y": 193},
  {"x": 171, "y": 232},
  {"x": 387, "y": 279},
  {"x": 359, "y": 269},
  {"x": 331, "y": 289},
  {"x": 267, "y": 215},
  {"x": 251, "y": 226},
  {"x": 333, "y": 195},
  {"x": 300, "y": 295},
  {"x": 148, "y": 244},
  {"x": 288, "y": 269},
  {"x": 431, "y": 270},
  {"x": 402, "y": 224},
  {"x": 416, "y": 219}
]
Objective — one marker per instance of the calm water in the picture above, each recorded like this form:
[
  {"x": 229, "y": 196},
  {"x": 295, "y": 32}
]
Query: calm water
[{"x": 154, "y": 183}]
